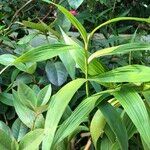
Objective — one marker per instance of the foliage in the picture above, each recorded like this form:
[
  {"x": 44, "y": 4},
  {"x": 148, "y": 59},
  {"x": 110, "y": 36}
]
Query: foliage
[{"x": 56, "y": 92}]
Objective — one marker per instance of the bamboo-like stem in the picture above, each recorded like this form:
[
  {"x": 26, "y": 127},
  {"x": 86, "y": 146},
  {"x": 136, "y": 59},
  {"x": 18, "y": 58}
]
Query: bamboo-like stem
[{"x": 86, "y": 69}]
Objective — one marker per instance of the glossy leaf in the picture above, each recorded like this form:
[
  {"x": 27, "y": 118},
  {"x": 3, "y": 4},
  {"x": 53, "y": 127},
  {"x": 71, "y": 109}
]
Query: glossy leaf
[
  {"x": 57, "y": 107},
  {"x": 136, "y": 110},
  {"x": 56, "y": 73}
]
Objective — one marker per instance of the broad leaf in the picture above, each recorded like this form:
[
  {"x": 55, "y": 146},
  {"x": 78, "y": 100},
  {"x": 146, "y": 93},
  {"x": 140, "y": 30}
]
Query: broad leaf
[
  {"x": 56, "y": 73},
  {"x": 27, "y": 95},
  {"x": 19, "y": 130},
  {"x": 5, "y": 141}
]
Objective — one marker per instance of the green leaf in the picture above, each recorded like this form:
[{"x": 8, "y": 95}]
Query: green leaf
[
  {"x": 32, "y": 140},
  {"x": 19, "y": 129},
  {"x": 136, "y": 110},
  {"x": 5, "y": 141},
  {"x": 72, "y": 19},
  {"x": 7, "y": 59},
  {"x": 26, "y": 115},
  {"x": 131, "y": 129},
  {"x": 97, "y": 126},
  {"x": 77, "y": 117},
  {"x": 105, "y": 144},
  {"x": 69, "y": 63},
  {"x": 75, "y": 4},
  {"x": 114, "y": 120},
  {"x": 44, "y": 95},
  {"x": 56, "y": 73},
  {"x": 26, "y": 39},
  {"x": 94, "y": 68},
  {"x": 121, "y": 49},
  {"x": 5, "y": 129},
  {"x": 42, "y": 53},
  {"x": 6, "y": 98},
  {"x": 147, "y": 20},
  {"x": 27, "y": 95},
  {"x": 131, "y": 73},
  {"x": 57, "y": 107}
]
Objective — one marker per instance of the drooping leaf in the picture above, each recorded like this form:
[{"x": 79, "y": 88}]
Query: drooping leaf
[
  {"x": 57, "y": 107},
  {"x": 121, "y": 49},
  {"x": 56, "y": 73},
  {"x": 114, "y": 120},
  {"x": 136, "y": 110},
  {"x": 42, "y": 53},
  {"x": 131, "y": 73},
  {"x": 32, "y": 140},
  {"x": 147, "y": 20}
]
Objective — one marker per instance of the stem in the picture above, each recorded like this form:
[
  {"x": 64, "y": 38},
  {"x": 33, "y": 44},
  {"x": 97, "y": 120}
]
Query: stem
[
  {"x": 86, "y": 69},
  {"x": 88, "y": 145},
  {"x": 4, "y": 69}
]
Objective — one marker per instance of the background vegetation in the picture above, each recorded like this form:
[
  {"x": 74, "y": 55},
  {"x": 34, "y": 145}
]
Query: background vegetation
[{"x": 70, "y": 79}]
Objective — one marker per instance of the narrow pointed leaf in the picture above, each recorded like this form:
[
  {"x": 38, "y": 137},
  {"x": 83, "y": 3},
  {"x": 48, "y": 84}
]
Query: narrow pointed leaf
[
  {"x": 114, "y": 120},
  {"x": 77, "y": 117},
  {"x": 57, "y": 107},
  {"x": 136, "y": 110},
  {"x": 147, "y": 20},
  {"x": 43, "y": 53},
  {"x": 131, "y": 73},
  {"x": 97, "y": 126}
]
